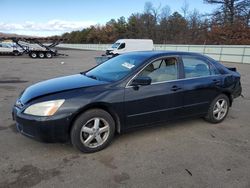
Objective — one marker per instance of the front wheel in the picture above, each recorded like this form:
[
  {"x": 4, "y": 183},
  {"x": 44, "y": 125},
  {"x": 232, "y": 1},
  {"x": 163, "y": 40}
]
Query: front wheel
[
  {"x": 16, "y": 53},
  {"x": 218, "y": 109},
  {"x": 92, "y": 131}
]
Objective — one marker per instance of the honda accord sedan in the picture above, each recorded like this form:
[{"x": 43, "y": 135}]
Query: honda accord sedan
[{"x": 128, "y": 91}]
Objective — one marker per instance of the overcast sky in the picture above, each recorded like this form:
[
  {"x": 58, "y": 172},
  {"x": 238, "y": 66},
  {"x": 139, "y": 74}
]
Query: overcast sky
[{"x": 50, "y": 17}]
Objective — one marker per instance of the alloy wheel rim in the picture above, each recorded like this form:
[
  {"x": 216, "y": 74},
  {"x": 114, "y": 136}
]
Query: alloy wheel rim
[
  {"x": 220, "y": 109},
  {"x": 95, "y": 132}
]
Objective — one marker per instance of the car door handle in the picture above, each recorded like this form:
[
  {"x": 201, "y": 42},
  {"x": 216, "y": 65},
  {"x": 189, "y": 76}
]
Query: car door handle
[
  {"x": 216, "y": 82},
  {"x": 175, "y": 88}
]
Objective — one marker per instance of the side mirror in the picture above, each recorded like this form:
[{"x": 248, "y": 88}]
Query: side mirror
[{"x": 141, "y": 81}]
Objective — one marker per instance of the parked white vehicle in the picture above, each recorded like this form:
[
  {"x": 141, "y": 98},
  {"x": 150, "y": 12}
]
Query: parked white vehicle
[
  {"x": 10, "y": 48},
  {"x": 130, "y": 45}
]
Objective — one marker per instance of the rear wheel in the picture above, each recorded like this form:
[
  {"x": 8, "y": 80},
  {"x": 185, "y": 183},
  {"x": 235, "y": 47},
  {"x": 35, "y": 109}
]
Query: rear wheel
[
  {"x": 218, "y": 109},
  {"x": 48, "y": 55},
  {"x": 41, "y": 55},
  {"x": 33, "y": 54},
  {"x": 92, "y": 131}
]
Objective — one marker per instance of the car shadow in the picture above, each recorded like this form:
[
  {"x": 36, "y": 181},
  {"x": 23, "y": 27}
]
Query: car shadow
[{"x": 160, "y": 127}]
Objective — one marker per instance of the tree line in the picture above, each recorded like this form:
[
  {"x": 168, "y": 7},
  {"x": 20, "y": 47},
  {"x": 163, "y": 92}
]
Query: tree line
[{"x": 229, "y": 23}]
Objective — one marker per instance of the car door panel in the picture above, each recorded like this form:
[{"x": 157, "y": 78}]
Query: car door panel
[
  {"x": 200, "y": 87},
  {"x": 153, "y": 103},
  {"x": 160, "y": 101},
  {"x": 198, "y": 94}
]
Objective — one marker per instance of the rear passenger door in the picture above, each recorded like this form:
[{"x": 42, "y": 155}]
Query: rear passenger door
[{"x": 200, "y": 85}]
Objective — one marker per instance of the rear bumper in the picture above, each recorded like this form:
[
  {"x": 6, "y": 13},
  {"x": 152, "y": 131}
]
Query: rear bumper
[
  {"x": 46, "y": 129},
  {"x": 237, "y": 90}
]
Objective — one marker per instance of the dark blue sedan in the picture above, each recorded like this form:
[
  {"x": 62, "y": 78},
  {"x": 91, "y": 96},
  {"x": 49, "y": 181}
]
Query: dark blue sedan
[{"x": 126, "y": 92}]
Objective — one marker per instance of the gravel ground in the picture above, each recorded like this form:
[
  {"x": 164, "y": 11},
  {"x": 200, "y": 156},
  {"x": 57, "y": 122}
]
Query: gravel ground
[{"x": 189, "y": 153}]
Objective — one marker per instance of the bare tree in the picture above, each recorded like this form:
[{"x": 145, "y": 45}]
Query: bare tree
[
  {"x": 149, "y": 8},
  {"x": 165, "y": 12},
  {"x": 185, "y": 9},
  {"x": 230, "y": 10}
]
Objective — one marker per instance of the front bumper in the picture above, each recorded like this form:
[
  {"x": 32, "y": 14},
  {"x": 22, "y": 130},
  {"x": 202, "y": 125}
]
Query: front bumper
[{"x": 46, "y": 129}]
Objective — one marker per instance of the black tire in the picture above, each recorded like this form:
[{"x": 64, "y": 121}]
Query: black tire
[
  {"x": 16, "y": 53},
  {"x": 41, "y": 55},
  {"x": 87, "y": 120},
  {"x": 48, "y": 55},
  {"x": 211, "y": 117},
  {"x": 33, "y": 55}
]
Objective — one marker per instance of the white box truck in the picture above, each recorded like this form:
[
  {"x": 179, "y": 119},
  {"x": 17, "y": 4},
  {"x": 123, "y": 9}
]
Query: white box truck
[{"x": 130, "y": 45}]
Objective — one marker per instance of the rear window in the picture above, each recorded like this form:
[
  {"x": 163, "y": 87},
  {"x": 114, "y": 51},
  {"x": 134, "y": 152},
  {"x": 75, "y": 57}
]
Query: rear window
[{"x": 196, "y": 67}]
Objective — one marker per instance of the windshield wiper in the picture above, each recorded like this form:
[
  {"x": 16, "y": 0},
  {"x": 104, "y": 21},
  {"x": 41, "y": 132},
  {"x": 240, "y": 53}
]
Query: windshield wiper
[{"x": 90, "y": 76}]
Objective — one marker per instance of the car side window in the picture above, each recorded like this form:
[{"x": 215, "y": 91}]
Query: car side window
[
  {"x": 195, "y": 67},
  {"x": 122, "y": 46},
  {"x": 161, "y": 70}
]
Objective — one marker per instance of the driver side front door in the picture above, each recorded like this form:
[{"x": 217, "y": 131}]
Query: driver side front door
[{"x": 160, "y": 101}]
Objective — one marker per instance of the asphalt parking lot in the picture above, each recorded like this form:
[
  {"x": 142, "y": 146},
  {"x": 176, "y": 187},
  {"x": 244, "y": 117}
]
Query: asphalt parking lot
[{"x": 188, "y": 153}]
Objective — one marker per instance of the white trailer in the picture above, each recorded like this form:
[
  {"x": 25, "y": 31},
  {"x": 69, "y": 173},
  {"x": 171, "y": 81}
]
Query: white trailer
[{"x": 36, "y": 49}]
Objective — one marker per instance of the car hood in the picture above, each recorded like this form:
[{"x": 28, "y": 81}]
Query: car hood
[
  {"x": 111, "y": 49},
  {"x": 57, "y": 85}
]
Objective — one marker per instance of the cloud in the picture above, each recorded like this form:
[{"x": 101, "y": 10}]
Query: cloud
[{"x": 42, "y": 29}]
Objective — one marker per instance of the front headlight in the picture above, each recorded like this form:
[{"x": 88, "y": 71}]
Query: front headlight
[{"x": 47, "y": 108}]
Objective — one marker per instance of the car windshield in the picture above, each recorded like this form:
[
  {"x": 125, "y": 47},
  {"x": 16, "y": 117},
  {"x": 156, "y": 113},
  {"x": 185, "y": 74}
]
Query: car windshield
[
  {"x": 6, "y": 45},
  {"x": 116, "y": 68},
  {"x": 115, "y": 45}
]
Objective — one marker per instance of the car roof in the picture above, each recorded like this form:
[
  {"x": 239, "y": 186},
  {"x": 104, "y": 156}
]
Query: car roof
[
  {"x": 156, "y": 53},
  {"x": 148, "y": 55}
]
